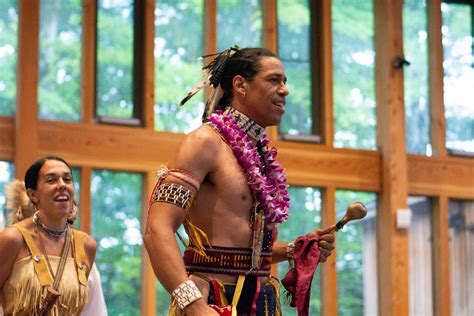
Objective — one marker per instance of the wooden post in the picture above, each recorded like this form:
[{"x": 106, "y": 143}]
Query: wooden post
[
  {"x": 441, "y": 269},
  {"x": 148, "y": 97},
  {"x": 89, "y": 21},
  {"x": 26, "y": 117},
  {"x": 392, "y": 242},
  {"x": 328, "y": 269},
  {"x": 85, "y": 205},
  {"x": 148, "y": 284},
  {"x": 435, "y": 48}
]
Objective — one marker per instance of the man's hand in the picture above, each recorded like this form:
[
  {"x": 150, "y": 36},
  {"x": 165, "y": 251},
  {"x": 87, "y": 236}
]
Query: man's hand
[
  {"x": 199, "y": 308},
  {"x": 326, "y": 242}
]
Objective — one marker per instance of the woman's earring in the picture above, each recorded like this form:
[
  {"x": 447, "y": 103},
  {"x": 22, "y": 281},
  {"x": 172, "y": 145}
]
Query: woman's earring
[{"x": 244, "y": 94}]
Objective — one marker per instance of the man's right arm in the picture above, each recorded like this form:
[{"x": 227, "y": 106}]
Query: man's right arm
[{"x": 196, "y": 156}]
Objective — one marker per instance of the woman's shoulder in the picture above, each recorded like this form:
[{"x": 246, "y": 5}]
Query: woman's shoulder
[
  {"x": 89, "y": 242},
  {"x": 11, "y": 236}
]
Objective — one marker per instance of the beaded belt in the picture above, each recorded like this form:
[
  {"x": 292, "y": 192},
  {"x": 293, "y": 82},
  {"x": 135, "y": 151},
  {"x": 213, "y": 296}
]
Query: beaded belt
[{"x": 224, "y": 260}]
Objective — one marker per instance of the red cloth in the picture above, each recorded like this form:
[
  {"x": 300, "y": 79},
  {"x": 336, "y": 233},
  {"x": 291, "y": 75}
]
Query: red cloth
[{"x": 298, "y": 279}]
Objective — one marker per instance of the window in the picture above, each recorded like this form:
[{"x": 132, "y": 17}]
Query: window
[
  {"x": 461, "y": 252},
  {"x": 178, "y": 44},
  {"x": 305, "y": 216},
  {"x": 458, "y": 65},
  {"x": 8, "y": 53},
  {"x": 6, "y": 175},
  {"x": 116, "y": 226},
  {"x": 354, "y": 62},
  {"x": 294, "y": 24},
  {"x": 356, "y": 260},
  {"x": 60, "y": 60},
  {"x": 420, "y": 254},
  {"x": 114, "y": 76},
  {"x": 417, "y": 108},
  {"x": 239, "y": 23}
]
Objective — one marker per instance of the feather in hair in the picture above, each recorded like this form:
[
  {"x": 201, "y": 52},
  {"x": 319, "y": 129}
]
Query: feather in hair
[
  {"x": 212, "y": 76},
  {"x": 18, "y": 201}
]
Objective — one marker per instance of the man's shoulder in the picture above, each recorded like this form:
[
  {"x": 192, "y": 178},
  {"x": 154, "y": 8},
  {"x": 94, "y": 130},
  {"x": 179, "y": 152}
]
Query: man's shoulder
[{"x": 205, "y": 135}]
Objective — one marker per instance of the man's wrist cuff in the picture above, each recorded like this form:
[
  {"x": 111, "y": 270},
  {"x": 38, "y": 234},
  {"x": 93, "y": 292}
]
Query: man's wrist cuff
[{"x": 186, "y": 293}]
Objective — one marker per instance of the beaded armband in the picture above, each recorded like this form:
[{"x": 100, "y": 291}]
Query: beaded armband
[
  {"x": 186, "y": 293},
  {"x": 174, "y": 193}
]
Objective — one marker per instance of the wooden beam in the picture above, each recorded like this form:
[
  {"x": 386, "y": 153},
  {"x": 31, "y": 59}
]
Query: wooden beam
[
  {"x": 328, "y": 269},
  {"x": 441, "y": 269},
  {"x": 435, "y": 176},
  {"x": 392, "y": 242},
  {"x": 110, "y": 147},
  {"x": 26, "y": 117},
  {"x": 137, "y": 149},
  {"x": 436, "y": 75},
  {"x": 318, "y": 165},
  {"x": 89, "y": 20},
  {"x": 148, "y": 283}
]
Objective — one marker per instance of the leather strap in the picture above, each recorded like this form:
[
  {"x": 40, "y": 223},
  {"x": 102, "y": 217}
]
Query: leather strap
[
  {"x": 80, "y": 256},
  {"x": 39, "y": 262}
]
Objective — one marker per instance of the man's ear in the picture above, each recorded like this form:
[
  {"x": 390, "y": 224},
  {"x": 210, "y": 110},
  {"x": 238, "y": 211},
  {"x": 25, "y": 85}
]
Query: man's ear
[
  {"x": 239, "y": 84},
  {"x": 32, "y": 195}
]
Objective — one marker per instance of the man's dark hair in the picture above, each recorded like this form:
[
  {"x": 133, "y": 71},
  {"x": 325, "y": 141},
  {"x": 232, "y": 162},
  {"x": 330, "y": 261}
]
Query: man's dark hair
[
  {"x": 244, "y": 62},
  {"x": 32, "y": 174}
]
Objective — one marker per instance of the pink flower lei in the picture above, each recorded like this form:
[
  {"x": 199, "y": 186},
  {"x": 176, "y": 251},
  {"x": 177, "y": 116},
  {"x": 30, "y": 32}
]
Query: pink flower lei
[{"x": 270, "y": 189}]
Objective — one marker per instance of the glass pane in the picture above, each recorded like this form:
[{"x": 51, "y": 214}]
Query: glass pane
[
  {"x": 294, "y": 50},
  {"x": 461, "y": 252},
  {"x": 115, "y": 58},
  {"x": 420, "y": 254},
  {"x": 239, "y": 23},
  {"x": 59, "y": 87},
  {"x": 356, "y": 260},
  {"x": 354, "y": 63},
  {"x": 178, "y": 44},
  {"x": 6, "y": 175},
  {"x": 458, "y": 80},
  {"x": 116, "y": 226},
  {"x": 305, "y": 216},
  {"x": 415, "y": 46},
  {"x": 8, "y": 55}
]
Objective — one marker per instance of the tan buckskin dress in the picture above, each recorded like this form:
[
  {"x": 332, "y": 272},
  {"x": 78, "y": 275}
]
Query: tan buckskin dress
[{"x": 24, "y": 290}]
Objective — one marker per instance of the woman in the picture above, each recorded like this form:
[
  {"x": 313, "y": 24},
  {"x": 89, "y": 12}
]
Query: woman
[{"x": 45, "y": 263}]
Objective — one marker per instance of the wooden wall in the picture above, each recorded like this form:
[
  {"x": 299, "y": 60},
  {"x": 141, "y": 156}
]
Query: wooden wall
[{"x": 390, "y": 172}]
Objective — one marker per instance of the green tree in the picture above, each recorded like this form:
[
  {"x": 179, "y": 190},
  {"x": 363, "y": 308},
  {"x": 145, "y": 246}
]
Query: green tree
[
  {"x": 115, "y": 59},
  {"x": 8, "y": 56},
  {"x": 60, "y": 60},
  {"x": 116, "y": 226}
]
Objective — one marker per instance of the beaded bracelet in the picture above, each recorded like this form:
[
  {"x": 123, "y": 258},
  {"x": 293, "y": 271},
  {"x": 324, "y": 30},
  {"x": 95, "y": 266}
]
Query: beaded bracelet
[
  {"x": 186, "y": 293},
  {"x": 290, "y": 251}
]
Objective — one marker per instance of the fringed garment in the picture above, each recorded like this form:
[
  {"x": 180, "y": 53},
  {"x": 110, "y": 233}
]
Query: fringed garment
[{"x": 23, "y": 292}]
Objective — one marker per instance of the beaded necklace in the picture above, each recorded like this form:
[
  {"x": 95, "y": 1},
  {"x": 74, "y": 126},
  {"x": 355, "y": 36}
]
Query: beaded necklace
[
  {"x": 52, "y": 232},
  {"x": 266, "y": 180}
]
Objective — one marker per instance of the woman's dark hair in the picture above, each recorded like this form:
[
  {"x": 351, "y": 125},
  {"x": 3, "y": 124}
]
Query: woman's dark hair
[
  {"x": 32, "y": 174},
  {"x": 244, "y": 62}
]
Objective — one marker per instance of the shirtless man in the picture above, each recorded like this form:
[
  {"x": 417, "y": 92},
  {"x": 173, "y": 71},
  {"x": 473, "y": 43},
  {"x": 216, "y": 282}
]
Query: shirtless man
[{"x": 206, "y": 169}]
